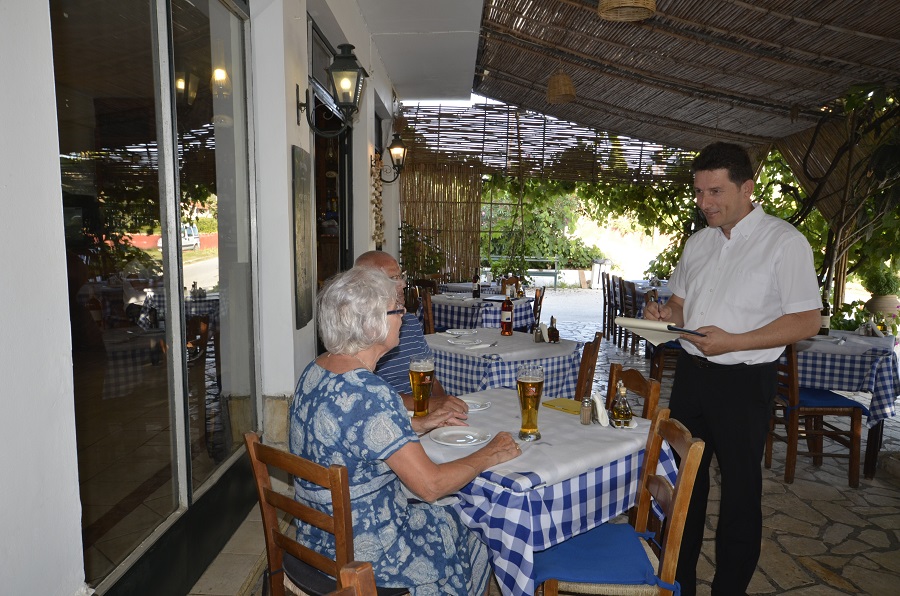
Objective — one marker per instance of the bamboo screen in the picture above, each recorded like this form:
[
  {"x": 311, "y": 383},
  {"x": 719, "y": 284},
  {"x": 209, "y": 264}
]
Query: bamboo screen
[{"x": 443, "y": 202}]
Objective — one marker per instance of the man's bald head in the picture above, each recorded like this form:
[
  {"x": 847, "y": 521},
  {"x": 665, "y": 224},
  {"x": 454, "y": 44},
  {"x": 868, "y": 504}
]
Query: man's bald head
[{"x": 377, "y": 259}]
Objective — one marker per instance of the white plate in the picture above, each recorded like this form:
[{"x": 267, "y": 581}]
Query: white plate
[
  {"x": 464, "y": 342},
  {"x": 459, "y": 436},
  {"x": 476, "y": 405},
  {"x": 632, "y": 424},
  {"x": 461, "y": 331}
]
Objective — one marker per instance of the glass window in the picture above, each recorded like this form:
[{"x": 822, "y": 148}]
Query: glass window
[{"x": 126, "y": 404}]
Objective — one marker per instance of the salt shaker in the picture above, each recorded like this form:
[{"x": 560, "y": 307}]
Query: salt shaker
[{"x": 586, "y": 409}]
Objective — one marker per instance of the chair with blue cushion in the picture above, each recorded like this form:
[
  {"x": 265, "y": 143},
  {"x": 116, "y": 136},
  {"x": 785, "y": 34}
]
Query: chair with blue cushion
[
  {"x": 619, "y": 558},
  {"x": 794, "y": 403}
]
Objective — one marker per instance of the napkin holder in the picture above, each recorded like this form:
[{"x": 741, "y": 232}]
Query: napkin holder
[{"x": 598, "y": 414}]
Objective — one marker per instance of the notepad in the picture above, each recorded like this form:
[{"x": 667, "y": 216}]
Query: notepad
[{"x": 564, "y": 404}]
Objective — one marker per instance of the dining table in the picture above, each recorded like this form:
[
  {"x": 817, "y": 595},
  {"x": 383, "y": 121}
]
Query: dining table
[
  {"x": 460, "y": 310},
  {"x": 864, "y": 368},
  {"x": 467, "y": 360},
  {"x": 153, "y": 311},
  {"x": 642, "y": 286},
  {"x": 572, "y": 479},
  {"x": 463, "y": 287}
]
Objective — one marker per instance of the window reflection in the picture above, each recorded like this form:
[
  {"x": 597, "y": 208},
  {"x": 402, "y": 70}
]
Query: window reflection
[{"x": 106, "y": 104}]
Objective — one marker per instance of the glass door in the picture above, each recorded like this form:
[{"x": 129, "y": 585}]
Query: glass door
[{"x": 158, "y": 253}]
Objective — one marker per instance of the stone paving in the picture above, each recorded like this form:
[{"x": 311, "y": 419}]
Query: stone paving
[{"x": 820, "y": 537}]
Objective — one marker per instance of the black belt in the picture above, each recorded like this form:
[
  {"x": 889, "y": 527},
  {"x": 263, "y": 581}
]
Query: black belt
[{"x": 701, "y": 362}]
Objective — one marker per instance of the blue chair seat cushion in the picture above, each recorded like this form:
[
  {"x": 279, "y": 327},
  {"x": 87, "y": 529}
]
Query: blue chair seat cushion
[
  {"x": 823, "y": 398},
  {"x": 608, "y": 554}
]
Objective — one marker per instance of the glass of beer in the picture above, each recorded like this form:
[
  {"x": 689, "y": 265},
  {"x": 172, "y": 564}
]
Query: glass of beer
[
  {"x": 530, "y": 383},
  {"x": 421, "y": 378}
]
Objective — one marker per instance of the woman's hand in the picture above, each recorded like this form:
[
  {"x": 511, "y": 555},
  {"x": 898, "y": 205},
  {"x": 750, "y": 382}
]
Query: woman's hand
[
  {"x": 443, "y": 415},
  {"x": 502, "y": 448}
]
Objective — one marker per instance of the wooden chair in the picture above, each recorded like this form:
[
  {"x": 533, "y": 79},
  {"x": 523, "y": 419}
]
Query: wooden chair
[
  {"x": 663, "y": 360},
  {"x": 358, "y": 579},
  {"x": 793, "y": 403},
  {"x": 609, "y": 306},
  {"x": 589, "y": 353},
  {"x": 628, "y": 300},
  {"x": 616, "y": 558},
  {"x": 428, "y": 284},
  {"x": 508, "y": 281},
  {"x": 427, "y": 314},
  {"x": 635, "y": 382},
  {"x": 288, "y": 560},
  {"x": 616, "y": 283},
  {"x": 538, "y": 303}
]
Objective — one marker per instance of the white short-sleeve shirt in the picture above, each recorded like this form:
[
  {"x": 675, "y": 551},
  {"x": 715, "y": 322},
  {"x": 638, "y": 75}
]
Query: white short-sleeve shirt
[{"x": 765, "y": 270}]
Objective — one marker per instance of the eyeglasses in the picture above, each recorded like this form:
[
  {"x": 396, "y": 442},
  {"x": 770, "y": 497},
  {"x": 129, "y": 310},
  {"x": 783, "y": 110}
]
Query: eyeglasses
[
  {"x": 399, "y": 277},
  {"x": 401, "y": 310}
]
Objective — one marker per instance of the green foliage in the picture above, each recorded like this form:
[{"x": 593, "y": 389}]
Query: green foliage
[
  {"x": 419, "y": 253},
  {"x": 881, "y": 281},
  {"x": 849, "y": 316}
]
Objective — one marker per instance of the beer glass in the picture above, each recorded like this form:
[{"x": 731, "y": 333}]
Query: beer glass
[
  {"x": 530, "y": 383},
  {"x": 421, "y": 378}
]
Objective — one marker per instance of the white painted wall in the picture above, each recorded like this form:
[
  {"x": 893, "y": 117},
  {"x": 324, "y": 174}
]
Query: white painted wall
[
  {"x": 40, "y": 509},
  {"x": 279, "y": 56},
  {"x": 279, "y": 49}
]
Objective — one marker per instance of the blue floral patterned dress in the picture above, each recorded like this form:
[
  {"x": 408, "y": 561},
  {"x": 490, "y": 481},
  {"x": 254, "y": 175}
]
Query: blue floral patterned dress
[{"x": 355, "y": 419}]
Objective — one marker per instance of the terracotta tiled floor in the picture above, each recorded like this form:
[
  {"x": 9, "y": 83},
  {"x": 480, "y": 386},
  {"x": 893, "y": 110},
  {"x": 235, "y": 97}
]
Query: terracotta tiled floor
[{"x": 820, "y": 537}]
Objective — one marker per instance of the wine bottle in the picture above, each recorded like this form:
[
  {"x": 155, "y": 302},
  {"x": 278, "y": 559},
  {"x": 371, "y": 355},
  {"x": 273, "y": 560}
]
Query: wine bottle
[
  {"x": 476, "y": 286},
  {"x": 553, "y": 332},
  {"x": 826, "y": 318},
  {"x": 506, "y": 313}
]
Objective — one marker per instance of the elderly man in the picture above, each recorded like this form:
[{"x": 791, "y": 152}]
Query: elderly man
[
  {"x": 747, "y": 283},
  {"x": 393, "y": 367}
]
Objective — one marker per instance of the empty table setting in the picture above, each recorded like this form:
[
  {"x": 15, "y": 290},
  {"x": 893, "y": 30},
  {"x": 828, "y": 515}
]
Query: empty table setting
[
  {"x": 862, "y": 367},
  {"x": 569, "y": 481},
  {"x": 468, "y": 360},
  {"x": 460, "y": 310}
]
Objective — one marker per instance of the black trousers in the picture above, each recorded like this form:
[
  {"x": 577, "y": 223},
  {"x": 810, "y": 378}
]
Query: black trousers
[{"x": 729, "y": 408}]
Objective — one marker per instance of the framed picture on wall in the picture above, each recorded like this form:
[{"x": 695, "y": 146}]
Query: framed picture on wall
[{"x": 303, "y": 257}]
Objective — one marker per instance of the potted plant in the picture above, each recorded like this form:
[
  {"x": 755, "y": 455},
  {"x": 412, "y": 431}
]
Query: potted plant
[{"x": 884, "y": 285}]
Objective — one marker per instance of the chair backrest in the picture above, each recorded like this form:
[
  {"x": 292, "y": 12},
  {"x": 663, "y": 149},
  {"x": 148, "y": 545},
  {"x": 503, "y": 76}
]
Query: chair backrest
[
  {"x": 629, "y": 298},
  {"x": 508, "y": 281},
  {"x": 673, "y": 500},
  {"x": 787, "y": 386},
  {"x": 617, "y": 292},
  {"x": 588, "y": 364},
  {"x": 538, "y": 303},
  {"x": 635, "y": 382},
  {"x": 334, "y": 479},
  {"x": 358, "y": 579},
  {"x": 427, "y": 284},
  {"x": 427, "y": 314},
  {"x": 438, "y": 279}
]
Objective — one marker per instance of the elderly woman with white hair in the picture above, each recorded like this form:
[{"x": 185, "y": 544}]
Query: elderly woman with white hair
[{"x": 343, "y": 413}]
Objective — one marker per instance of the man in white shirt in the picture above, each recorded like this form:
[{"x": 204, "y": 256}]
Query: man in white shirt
[{"x": 748, "y": 283}]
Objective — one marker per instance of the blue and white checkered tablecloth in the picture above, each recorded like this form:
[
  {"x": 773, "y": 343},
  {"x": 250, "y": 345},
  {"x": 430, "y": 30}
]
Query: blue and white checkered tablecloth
[
  {"x": 875, "y": 371},
  {"x": 472, "y": 314},
  {"x": 523, "y": 313},
  {"x": 156, "y": 300},
  {"x": 486, "y": 289},
  {"x": 460, "y": 374},
  {"x": 515, "y": 524},
  {"x": 573, "y": 479}
]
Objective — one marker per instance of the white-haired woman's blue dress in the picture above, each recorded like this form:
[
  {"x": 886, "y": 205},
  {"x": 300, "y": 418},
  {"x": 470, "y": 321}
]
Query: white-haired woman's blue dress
[{"x": 357, "y": 420}]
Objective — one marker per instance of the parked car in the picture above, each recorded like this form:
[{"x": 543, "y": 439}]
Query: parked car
[{"x": 190, "y": 238}]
